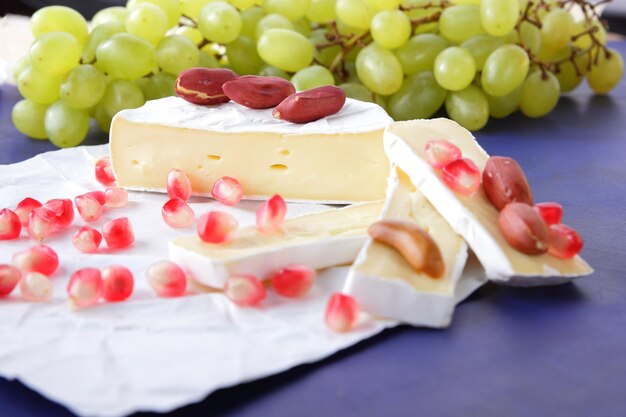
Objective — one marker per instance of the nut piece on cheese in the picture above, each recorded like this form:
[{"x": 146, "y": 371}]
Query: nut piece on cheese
[
  {"x": 472, "y": 216},
  {"x": 337, "y": 159}
]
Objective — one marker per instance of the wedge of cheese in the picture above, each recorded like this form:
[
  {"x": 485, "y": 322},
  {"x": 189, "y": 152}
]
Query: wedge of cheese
[
  {"x": 386, "y": 285},
  {"x": 337, "y": 159},
  {"x": 319, "y": 240},
  {"x": 473, "y": 216}
]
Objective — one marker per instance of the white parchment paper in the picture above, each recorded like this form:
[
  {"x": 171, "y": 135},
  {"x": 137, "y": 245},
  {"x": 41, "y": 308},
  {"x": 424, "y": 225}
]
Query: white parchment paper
[{"x": 148, "y": 353}]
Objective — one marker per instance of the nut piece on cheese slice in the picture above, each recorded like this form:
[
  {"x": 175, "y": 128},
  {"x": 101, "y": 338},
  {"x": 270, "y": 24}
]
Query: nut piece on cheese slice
[
  {"x": 337, "y": 159},
  {"x": 318, "y": 240},
  {"x": 473, "y": 216},
  {"x": 386, "y": 285}
]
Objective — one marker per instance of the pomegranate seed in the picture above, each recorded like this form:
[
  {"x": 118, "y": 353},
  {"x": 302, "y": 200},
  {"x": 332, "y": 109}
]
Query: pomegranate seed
[
  {"x": 462, "y": 176},
  {"x": 118, "y": 233},
  {"x": 104, "y": 171},
  {"x": 10, "y": 224},
  {"x": 342, "y": 312},
  {"x": 85, "y": 287},
  {"x": 216, "y": 226},
  {"x": 87, "y": 239},
  {"x": 270, "y": 215},
  {"x": 167, "y": 279},
  {"x": 89, "y": 208},
  {"x": 118, "y": 283},
  {"x": 97, "y": 195},
  {"x": 178, "y": 184},
  {"x": 63, "y": 209},
  {"x": 41, "y": 223},
  {"x": 440, "y": 152},
  {"x": 227, "y": 190},
  {"x": 115, "y": 197},
  {"x": 9, "y": 278},
  {"x": 24, "y": 208},
  {"x": 293, "y": 280},
  {"x": 36, "y": 287},
  {"x": 176, "y": 213},
  {"x": 40, "y": 258},
  {"x": 564, "y": 241},
  {"x": 551, "y": 212},
  {"x": 244, "y": 290}
]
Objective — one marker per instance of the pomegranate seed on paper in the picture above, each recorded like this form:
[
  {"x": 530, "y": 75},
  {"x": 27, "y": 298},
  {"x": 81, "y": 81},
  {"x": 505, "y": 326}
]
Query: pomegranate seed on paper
[
  {"x": 118, "y": 283},
  {"x": 178, "y": 184},
  {"x": 63, "y": 209},
  {"x": 104, "y": 171},
  {"x": 40, "y": 258},
  {"x": 227, "y": 190},
  {"x": 440, "y": 152},
  {"x": 167, "y": 279},
  {"x": 24, "y": 208},
  {"x": 9, "y": 278},
  {"x": 564, "y": 241},
  {"x": 87, "y": 239},
  {"x": 118, "y": 233},
  {"x": 244, "y": 290},
  {"x": 342, "y": 312},
  {"x": 115, "y": 197},
  {"x": 85, "y": 287},
  {"x": 293, "y": 280},
  {"x": 97, "y": 195},
  {"x": 176, "y": 213},
  {"x": 36, "y": 287},
  {"x": 216, "y": 226},
  {"x": 271, "y": 214},
  {"x": 462, "y": 176},
  {"x": 550, "y": 212},
  {"x": 41, "y": 224},
  {"x": 10, "y": 224},
  {"x": 89, "y": 208}
]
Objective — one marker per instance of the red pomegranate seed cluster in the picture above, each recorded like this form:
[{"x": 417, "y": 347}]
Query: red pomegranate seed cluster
[{"x": 459, "y": 174}]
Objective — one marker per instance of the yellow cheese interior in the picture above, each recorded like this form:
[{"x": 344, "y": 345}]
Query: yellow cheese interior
[
  {"x": 335, "y": 167},
  {"x": 348, "y": 221},
  {"x": 417, "y": 133}
]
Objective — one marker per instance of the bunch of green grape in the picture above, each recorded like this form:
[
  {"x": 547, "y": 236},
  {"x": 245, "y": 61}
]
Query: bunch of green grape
[{"x": 475, "y": 58}]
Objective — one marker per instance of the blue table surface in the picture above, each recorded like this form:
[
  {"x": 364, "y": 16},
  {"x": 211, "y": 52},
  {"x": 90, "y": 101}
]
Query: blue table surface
[{"x": 551, "y": 351}]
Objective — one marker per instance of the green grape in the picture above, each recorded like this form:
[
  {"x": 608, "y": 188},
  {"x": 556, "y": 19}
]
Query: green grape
[
  {"x": 193, "y": 34},
  {"x": 474, "y": 2},
  {"x": 384, "y": 4},
  {"x": 459, "y": 23},
  {"x": 148, "y": 22},
  {"x": 347, "y": 30},
  {"x": 454, "y": 68},
  {"x": 99, "y": 34},
  {"x": 356, "y": 13},
  {"x": 379, "y": 70},
  {"x": 505, "y": 70},
  {"x": 530, "y": 37},
  {"x": 243, "y": 4},
  {"x": 327, "y": 55},
  {"x": 20, "y": 65},
  {"x": 419, "y": 53},
  {"x": 120, "y": 95},
  {"x": 66, "y": 126},
  {"x": 291, "y": 9},
  {"x": 480, "y": 47},
  {"x": 499, "y": 17},
  {"x": 220, "y": 22},
  {"x": 557, "y": 28},
  {"x": 285, "y": 49},
  {"x": 59, "y": 19},
  {"x": 55, "y": 53},
  {"x": 419, "y": 97},
  {"x": 321, "y": 11},
  {"x": 503, "y": 106},
  {"x": 270, "y": 71},
  {"x": 126, "y": 56},
  {"x": 116, "y": 14},
  {"x": 157, "y": 86},
  {"x": 302, "y": 26},
  {"x": 171, "y": 8},
  {"x": 422, "y": 13},
  {"x": 37, "y": 87},
  {"x": 103, "y": 119},
  {"x": 83, "y": 87},
  {"x": 249, "y": 20},
  {"x": 27, "y": 117},
  {"x": 607, "y": 73},
  {"x": 540, "y": 93},
  {"x": 350, "y": 68},
  {"x": 468, "y": 107},
  {"x": 357, "y": 92},
  {"x": 584, "y": 42},
  {"x": 273, "y": 21},
  {"x": 311, "y": 77},
  {"x": 569, "y": 78},
  {"x": 390, "y": 28},
  {"x": 208, "y": 60},
  {"x": 243, "y": 57},
  {"x": 192, "y": 8},
  {"x": 176, "y": 53}
]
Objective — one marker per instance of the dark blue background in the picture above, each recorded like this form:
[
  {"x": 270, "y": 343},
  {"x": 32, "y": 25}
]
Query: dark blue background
[{"x": 555, "y": 351}]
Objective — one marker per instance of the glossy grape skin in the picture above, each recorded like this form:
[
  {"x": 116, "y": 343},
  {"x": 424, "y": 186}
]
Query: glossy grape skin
[
  {"x": 171, "y": 8},
  {"x": 292, "y": 9},
  {"x": 505, "y": 69},
  {"x": 390, "y": 28},
  {"x": 55, "y": 53},
  {"x": 40, "y": 88},
  {"x": 321, "y": 11},
  {"x": 120, "y": 95},
  {"x": 605, "y": 76},
  {"x": 481, "y": 47},
  {"x": 311, "y": 77},
  {"x": 115, "y": 14},
  {"x": 540, "y": 94},
  {"x": 113, "y": 56},
  {"x": 243, "y": 57},
  {"x": 499, "y": 17},
  {"x": 379, "y": 70},
  {"x": 59, "y": 19},
  {"x": 557, "y": 28},
  {"x": 148, "y": 22},
  {"x": 65, "y": 126},
  {"x": 454, "y": 68},
  {"x": 357, "y": 92},
  {"x": 176, "y": 53},
  {"x": 83, "y": 87},
  {"x": 459, "y": 23},
  {"x": 419, "y": 97},
  {"x": 356, "y": 13},
  {"x": 28, "y": 118},
  {"x": 273, "y": 21},
  {"x": 503, "y": 106},
  {"x": 220, "y": 22},
  {"x": 99, "y": 34},
  {"x": 285, "y": 49},
  {"x": 419, "y": 53},
  {"x": 468, "y": 107},
  {"x": 249, "y": 20}
]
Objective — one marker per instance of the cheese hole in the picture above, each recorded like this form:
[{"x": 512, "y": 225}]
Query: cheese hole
[
  {"x": 214, "y": 157},
  {"x": 134, "y": 162},
  {"x": 279, "y": 167},
  {"x": 200, "y": 167},
  {"x": 284, "y": 152}
]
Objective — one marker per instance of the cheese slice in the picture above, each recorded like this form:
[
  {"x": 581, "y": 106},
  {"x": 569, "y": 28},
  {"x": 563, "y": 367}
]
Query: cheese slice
[
  {"x": 473, "y": 217},
  {"x": 319, "y": 240},
  {"x": 386, "y": 285},
  {"x": 337, "y": 159}
]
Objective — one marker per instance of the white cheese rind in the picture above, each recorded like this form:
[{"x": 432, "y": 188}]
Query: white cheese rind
[{"x": 493, "y": 252}]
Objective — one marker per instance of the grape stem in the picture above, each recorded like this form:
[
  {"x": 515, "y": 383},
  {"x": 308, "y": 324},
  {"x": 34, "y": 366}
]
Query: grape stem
[{"x": 430, "y": 5}]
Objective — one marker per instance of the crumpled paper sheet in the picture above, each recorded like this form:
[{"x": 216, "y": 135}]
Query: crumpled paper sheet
[{"x": 148, "y": 353}]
